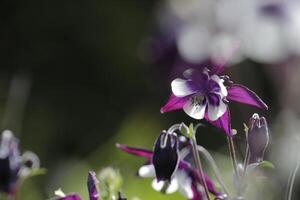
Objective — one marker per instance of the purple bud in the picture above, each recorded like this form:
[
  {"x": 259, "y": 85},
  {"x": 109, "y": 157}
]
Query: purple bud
[
  {"x": 258, "y": 138},
  {"x": 9, "y": 162},
  {"x": 92, "y": 184},
  {"x": 165, "y": 156}
]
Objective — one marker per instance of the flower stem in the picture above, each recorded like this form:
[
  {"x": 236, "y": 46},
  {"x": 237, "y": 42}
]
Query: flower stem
[
  {"x": 199, "y": 165},
  {"x": 232, "y": 155},
  {"x": 291, "y": 181},
  {"x": 215, "y": 168}
]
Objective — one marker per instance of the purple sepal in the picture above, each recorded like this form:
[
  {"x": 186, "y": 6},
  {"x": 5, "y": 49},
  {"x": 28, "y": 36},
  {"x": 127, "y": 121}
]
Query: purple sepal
[
  {"x": 174, "y": 103},
  {"x": 242, "y": 94},
  {"x": 70, "y": 197},
  {"x": 136, "y": 151},
  {"x": 165, "y": 156},
  {"x": 223, "y": 123},
  {"x": 92, "y": 183}
]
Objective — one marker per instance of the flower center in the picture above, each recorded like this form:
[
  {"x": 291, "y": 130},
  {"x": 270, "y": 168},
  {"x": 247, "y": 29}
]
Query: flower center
[{"x": 197, "y": 99}]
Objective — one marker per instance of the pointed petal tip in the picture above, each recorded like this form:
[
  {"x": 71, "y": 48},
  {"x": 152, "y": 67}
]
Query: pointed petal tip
[{"x": 242, "y": 94}]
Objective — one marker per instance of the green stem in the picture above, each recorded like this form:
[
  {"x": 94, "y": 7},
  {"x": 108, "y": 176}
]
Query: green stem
[
  {"x": 232, "y": 155},
  {"x": 215, "y": 168},
  {"x": 199, "y": 165},
  {"x": 291, "y": 181}
]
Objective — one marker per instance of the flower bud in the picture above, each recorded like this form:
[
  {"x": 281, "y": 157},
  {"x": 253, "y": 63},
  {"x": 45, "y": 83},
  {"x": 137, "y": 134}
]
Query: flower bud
[
  {"x": 92, "y": 184},
  {"x": 165, "y": 156},
  {"x": 258, "y": 138}
]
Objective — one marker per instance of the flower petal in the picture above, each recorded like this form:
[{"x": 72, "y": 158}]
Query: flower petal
[
  {"x": 165, "y": 155},
  {"x": 160, "y": 186},
  {"x": 135, "y": 151},
  {"x": 242, "y": 94},
  {"x": 223, "y": 123},
  {"x": 216, "y": 111},
  {"x": 194, "y": 109},
  {"x": 185, "y": 184},
  {"x": 69, "y": 197},
  {"x": 220, "y": 82},
  {"x": 146, "y": 171},
  {"x": 174, "y": 103},
  {"x": 182, "y": 87}
]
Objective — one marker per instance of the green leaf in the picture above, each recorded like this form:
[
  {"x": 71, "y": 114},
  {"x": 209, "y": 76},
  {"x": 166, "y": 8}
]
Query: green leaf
[
  {"x": 184, "y": 129},
  {"x": 191, "y": 131},
  {"x": 266, "y": 164}
]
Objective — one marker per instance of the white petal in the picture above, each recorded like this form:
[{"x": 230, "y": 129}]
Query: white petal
[
  {"x": 180, "y": 87},
  {"x": 194, "y": 110},
  {"x": 59, "y": 193},
  {"x": 146, "y": 171},
  {"x": 185, "y": 184},
  {"x": 221, "y": 84},
  {"x": 215, "y": 112},
  {"x": 159, "y": 186}
]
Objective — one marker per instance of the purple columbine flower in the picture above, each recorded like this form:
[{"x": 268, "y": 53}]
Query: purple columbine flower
[
  {"x": 258, "y": 138},
  {"x": 204, "y": 95},
  {"x": 9, "y": 162},
  {"x": 185, "y": 179},
  {"x": 165, "y": 156},
  {"x": 92, "y": 183}
]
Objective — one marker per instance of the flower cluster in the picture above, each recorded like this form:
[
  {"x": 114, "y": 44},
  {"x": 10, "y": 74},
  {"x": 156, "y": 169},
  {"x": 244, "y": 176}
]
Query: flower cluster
[{"x": 203, "y": 95}]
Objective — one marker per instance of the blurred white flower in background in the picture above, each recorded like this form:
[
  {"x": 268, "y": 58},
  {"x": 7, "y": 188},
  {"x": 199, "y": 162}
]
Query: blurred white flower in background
[{"x": 266, "y": 31}]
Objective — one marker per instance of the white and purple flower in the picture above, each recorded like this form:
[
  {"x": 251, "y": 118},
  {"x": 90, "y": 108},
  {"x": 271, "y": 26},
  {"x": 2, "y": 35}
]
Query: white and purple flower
[
  {"x": 204, "y": 95},
  {"x": 13, "y": 165},
  {"x": 185, "y": 179}
]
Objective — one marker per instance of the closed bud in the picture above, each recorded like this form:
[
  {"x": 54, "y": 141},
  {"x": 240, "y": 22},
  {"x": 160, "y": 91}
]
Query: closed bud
[
  {"x": 258, "y": 138},
  {"x": 165, "y": 156},
  {"x": 92, "y": 184}
]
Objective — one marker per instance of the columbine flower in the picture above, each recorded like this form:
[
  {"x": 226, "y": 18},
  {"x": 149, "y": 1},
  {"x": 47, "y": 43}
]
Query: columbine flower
[
  {"x": 9, "y": 162},
  {"x": 165, "y": 156},
  {"x": 13, "y": 165},
  {"x": 203, "y": 95},
  {"x": 92, "y": 183},
  {"x": 258, "y": 138},
  {"x": 185, "y": 179}
]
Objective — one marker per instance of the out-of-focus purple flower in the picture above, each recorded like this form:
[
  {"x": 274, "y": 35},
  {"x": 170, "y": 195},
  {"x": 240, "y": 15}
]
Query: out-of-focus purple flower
[
  {"x": 258, "y": 138},
  {"x": 92, "y": 186},
  {"x": 92, "y": 183},
  {"x": 203, "y": 95},
  {"x": 9, "y": 162},
  {"x": 185, "y": 179},
  {"x": 165, "y": 156},
  {"x": 70, "y": 197}
]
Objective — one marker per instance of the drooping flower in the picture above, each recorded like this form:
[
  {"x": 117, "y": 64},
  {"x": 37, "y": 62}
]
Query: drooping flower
[
  {"x": 13, "y": 165},
  {"x": 92, "y": 183},
  {"x": 204, "y": 95},
  {"x": 165, "y": 156},
  {"x": 258, "y": 138},
  {"x": 9, "y": 162},
  {"x": 185, "y": 179}
]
